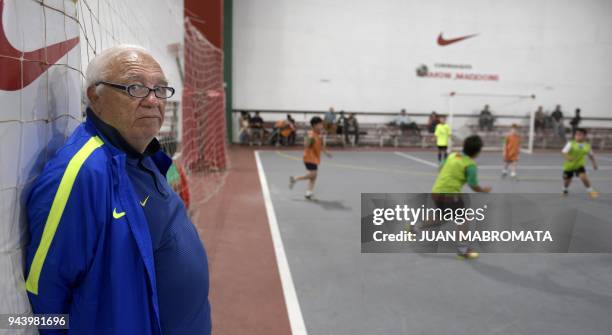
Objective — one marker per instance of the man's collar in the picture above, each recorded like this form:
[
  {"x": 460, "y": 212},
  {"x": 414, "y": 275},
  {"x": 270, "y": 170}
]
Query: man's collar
[{"x": 115, "y": 138}]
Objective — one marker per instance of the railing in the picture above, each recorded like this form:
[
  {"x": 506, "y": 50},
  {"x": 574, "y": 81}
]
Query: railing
[
  {"x": 375, "y": 131},
  {"x": 396, "y": 113}
]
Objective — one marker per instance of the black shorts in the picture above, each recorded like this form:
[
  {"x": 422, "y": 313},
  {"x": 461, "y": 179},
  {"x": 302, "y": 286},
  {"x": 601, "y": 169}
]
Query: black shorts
[
  {"x": 451, "y": 201},
  {"x": 569, "y": 174},
  {"x": 442, "y": 147},
  {"x": 311, "y": 166},
  {"x": 448, "y": 200}
]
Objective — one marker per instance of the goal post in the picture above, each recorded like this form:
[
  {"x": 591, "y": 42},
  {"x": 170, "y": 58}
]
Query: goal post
[{"x": 506, "y": 109}]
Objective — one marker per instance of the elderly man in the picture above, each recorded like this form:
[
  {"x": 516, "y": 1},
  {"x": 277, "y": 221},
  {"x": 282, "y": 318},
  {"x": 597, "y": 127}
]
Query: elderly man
[{"x": 111, "y": 243}]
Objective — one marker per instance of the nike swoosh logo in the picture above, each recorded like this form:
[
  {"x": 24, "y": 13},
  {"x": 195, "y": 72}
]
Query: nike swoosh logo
[
  {"x": 117, "y": 215},
  {"x": 144, "y": 202},
  {"x": 444, "y": 42},
  {"x": 35, "y": 63}
]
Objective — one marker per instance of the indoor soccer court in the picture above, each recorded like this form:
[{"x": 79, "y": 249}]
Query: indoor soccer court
[
  {"x": 163, "y": 167},
  {"x": 339, "y": 290}
]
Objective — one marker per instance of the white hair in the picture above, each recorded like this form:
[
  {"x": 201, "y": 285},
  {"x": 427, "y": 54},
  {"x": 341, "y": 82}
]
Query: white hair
[{"x": 99, "y": 66}]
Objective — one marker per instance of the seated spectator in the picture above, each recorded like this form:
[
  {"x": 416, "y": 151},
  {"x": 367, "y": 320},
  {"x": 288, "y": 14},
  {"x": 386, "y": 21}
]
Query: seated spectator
[
  {"x": 329, "y": 121},
  {"x": 257, "y": 128},
  {"x": 575, "y": 122},
  {"x": 540, "y": 119},
  {"x": 352, "y": 129},
  {"x": 340, "y": 129},
  {"x": 283, "y": 132},
  {"x": 341, "y": 123},
  {"x": 557, "y": 122},
  {"x": 432, "y": 122},
  {"x": 244, "y": 134},
  {"x": 486, "y": 119},
  {"x": 548, "y": 121},
  {"x": 274, "y": 138},
  {"x": 404, "y": 123},
  {"x": 290, "y": 131},
  {"x": 287, "y": 132}
]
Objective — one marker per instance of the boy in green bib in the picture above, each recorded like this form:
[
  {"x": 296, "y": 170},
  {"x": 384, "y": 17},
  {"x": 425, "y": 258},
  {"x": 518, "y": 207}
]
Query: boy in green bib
[
  {"x": 574, "y": 152},
  {"x": 442, "y": 133},
  {"x": 457, "y": 170}
]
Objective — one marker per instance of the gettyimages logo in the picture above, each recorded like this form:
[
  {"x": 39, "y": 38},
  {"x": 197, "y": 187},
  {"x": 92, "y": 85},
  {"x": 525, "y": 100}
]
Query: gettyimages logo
[{"x": 487, "y": 223}]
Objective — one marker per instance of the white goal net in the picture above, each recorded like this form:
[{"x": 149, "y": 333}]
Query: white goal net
[{"x": 491, "y": 116}]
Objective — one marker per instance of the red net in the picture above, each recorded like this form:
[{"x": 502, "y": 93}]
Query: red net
[{"x": 203, "y": 155}]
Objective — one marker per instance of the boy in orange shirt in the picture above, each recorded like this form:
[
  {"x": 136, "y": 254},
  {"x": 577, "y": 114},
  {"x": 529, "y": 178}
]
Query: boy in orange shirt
[
  {"x": 312, "y": 156},
  {"x": 512, "y": 148}
]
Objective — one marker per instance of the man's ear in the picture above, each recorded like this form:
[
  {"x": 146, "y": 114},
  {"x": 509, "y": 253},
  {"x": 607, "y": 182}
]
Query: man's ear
[{"x": 92, "y": 95}]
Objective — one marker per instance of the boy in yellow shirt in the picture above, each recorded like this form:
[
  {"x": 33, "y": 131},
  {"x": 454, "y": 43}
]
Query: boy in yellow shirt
[
  {"x": 459, "y": 169},
  {"x": 574, "y": 152},
  {"x": 442, "y": 133}
]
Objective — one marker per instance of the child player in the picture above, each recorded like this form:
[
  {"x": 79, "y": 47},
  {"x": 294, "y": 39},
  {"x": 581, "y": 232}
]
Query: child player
[
  {"x": 574, "y": 153},
  {"x": 312, "y": 156},
  {"x": 442, "y": 133},
  {"x": 457, "y": 170},
  {"x": 512, "y": 148}
]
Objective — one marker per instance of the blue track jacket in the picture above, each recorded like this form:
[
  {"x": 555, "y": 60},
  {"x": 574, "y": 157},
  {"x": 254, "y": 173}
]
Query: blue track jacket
[{"x": 90, "y": 254}]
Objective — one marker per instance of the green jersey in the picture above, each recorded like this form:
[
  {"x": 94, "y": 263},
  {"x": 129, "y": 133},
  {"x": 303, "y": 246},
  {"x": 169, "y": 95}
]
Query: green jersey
[
  {"x": 442, "y": 134},
  {"x": 457, "y": 170},
  {"x": 577, "y": 151}
]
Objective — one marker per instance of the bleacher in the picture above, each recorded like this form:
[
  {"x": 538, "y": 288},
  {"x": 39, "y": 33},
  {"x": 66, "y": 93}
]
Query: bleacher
[{"x": 385, "y": 135}]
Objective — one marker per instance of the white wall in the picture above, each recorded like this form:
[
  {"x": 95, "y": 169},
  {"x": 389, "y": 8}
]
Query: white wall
[
  {"x": 362, "y": 54},
  {"x": 35, "y": 120},
  {"x": 153, "y": 24}
]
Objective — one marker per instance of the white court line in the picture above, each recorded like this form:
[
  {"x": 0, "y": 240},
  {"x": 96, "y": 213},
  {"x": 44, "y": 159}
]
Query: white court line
[
  {"x": 523, "y": 167},
  {"x": 499, "y": 167},
  {"x": 417, "y": 159},
  {"x": 296, "y": 320},
  {"x": 535, "y": 167}
]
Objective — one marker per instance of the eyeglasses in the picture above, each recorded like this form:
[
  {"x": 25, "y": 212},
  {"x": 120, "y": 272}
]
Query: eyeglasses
[{"x": 141, "y": 91}]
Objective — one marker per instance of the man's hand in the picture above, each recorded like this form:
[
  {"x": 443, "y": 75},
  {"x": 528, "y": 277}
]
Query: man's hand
[{"x": 486, "y": 189}]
